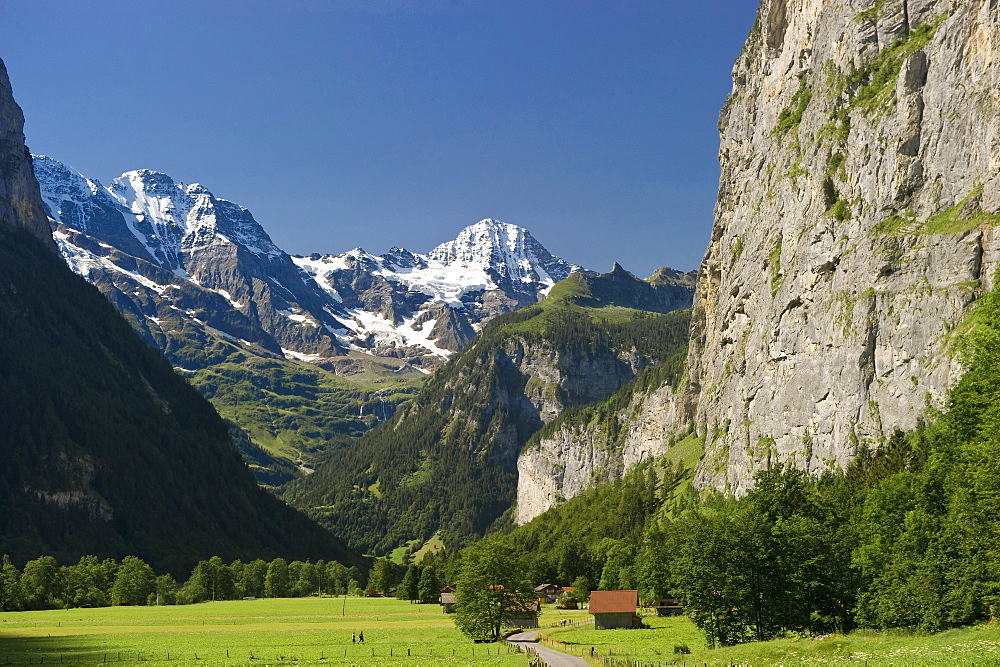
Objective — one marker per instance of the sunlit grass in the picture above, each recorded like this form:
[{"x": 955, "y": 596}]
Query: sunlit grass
[
  {"x": 295, "y": 631},
  {"x": 964, "y": 646}
]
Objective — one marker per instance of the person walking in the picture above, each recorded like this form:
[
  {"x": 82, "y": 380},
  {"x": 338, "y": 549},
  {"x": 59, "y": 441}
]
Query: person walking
[{"x": 361, "y": 637}]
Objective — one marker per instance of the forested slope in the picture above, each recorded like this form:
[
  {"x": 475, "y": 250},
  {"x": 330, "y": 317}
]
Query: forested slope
[
  {"x": 447, "y": 460},
  {"x": 105, "y": 450},
  {"x": 905, "y": 537}
]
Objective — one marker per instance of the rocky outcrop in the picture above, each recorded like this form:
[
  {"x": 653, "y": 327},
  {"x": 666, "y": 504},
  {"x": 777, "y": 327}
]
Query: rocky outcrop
[
  {"x": 559, "y": 378},
  {"x": 20, "y": 203},
  {"x": 854, "y": 230},
  {"x": 554, "y": 469}
]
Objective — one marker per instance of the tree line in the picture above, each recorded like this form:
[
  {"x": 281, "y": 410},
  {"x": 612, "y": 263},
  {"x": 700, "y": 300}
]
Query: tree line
[
  {"x": 906, "y": 536},
  {"x": 92, "y": 582}
]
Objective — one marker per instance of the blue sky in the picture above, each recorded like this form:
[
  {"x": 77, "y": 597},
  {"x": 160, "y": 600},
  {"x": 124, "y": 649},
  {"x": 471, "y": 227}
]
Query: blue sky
[{"x": 375, "y": 123}]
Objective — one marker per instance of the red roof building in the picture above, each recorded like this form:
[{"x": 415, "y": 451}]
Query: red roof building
[{"x": 614, "y": 609}]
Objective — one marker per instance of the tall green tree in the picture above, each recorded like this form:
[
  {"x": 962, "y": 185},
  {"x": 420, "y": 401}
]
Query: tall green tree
[
  {"x": 383, "y": 576},
  {"x": 40, "y": 583},
  {"x": 133, "y": 583},
  {"x": 87, "y": 583},
  {"x": 429, "y": 586},
  {"x": 276, "y": 580},
  {"x": 165, "y": 591},
  {"x": 337, "y": 577},
  {"x": 308, "y": 581},
  {"x": 409, "y": 589},
  {"x": 619, "y": 568},
  {"x": 492, "y": 587},
  {"x": 251, "y": 579},
  {"x": 11, "y": 594}
]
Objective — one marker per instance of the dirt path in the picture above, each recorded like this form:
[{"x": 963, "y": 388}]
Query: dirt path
[{"x": 552, "y": 658}]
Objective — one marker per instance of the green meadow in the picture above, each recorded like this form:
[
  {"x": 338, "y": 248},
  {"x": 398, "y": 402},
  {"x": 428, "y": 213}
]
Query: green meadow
[
  {"x": 250, "y": 632},
  {"x": 317, "y": 631},
  {"x": 965, "y": 646}
]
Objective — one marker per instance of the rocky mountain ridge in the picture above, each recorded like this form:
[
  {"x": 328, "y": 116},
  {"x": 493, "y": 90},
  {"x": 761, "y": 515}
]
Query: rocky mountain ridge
[
  {"x": 403, "y": 300},
  {"x": 163, "y": 251},
  {"x": 854, "y": 232}
]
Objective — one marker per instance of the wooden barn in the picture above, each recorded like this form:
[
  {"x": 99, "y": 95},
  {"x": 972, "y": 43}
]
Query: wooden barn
[
  {"x": 668, "y": 607},
  {"x": 448, "y": 603},
  {"x": 525, "y": 617},
  {"x": 614, "y": 609}
]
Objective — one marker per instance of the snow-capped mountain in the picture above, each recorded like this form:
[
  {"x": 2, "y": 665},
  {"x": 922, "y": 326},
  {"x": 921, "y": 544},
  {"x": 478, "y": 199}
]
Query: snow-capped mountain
[
  {"x": 403, "y": 299},
  {"x": 174, "y": 257},
  {"x": 190, "y": 269}
]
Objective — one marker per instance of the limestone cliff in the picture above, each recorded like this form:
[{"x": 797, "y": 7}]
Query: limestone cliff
[
  {"x": 20, "y": 201},
  {"x": 575, "y": 457},
  {"x": 860, "y": 153}
]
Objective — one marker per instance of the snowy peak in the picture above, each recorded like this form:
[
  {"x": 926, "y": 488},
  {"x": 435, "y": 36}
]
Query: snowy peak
[
  {"x": 487, "y": 257},
  {"x": 509, "y": 251},
  {"x": 165, "y": 218},
  {"x": 207, "y": 261},
  {"x": 405, "y": 301},
  {"x": 164, "y": 250},
  {"x": 476, "y": 243},
  {"x": 184, "y": 217}
]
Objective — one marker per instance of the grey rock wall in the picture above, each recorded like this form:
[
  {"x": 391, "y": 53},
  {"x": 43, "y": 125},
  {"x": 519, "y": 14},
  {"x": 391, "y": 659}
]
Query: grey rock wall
[
  {"x": 854, "y": 230},
  {"x": 20, "y": 201},
  {"x": 860, "y": 152},
  {"x": 576, "y": 458}
]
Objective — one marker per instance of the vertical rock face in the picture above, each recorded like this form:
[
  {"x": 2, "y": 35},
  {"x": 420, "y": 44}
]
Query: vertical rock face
[
  {"x": 860, "y": 155},
  {"x": 575, "y": 458},
  {"x": 20, "y": 202},
  {"x": 854, "y": 229}
]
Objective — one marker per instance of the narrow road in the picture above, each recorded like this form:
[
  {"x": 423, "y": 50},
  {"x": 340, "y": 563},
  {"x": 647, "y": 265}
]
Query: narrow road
[{"x": 552, "y": 658}]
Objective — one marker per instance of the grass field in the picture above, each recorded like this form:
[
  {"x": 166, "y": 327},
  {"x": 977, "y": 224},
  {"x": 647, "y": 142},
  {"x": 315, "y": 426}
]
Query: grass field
[
  {"x": 257, "y": 632},
  {"x": 966, "y": 646}
]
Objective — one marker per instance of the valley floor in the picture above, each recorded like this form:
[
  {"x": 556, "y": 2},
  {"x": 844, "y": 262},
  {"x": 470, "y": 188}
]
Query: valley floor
[
  {"x": 258, "y": 632},
  {"x": 318, "y": 631},
  {"x": 966, "y": 646}
]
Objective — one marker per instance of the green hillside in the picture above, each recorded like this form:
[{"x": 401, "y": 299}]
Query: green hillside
[
  {"x": 296, "y": 413},
  {"x": 906, "y": 537},
  {"x": 447, "y": 461},
  {"x": 105, "y": 450}
]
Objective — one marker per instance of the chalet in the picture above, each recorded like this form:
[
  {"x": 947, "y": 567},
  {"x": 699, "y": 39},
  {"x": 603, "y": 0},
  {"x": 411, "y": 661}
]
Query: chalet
[
  {"x": 525, "y": 617},
  {"x": 448, "y": 603},
  {"x": 668, "y": 607},
  {"x": 548, "y": 592},
  {"x": 614, "y": 609}
]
